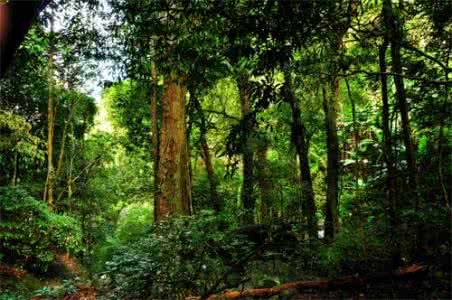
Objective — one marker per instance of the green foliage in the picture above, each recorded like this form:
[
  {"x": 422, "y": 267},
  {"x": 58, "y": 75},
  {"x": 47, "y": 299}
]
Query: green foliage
[
  {"x": 178, "y": 257},
  {"x": 67, "y": 288},
  {"x": 30, "y": 233},
  {"x": 356, "y": 250}
]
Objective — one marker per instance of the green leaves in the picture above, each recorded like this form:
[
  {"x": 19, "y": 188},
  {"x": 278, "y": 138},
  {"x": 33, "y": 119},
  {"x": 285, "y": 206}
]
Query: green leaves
[
  {"x": 29, "y": 231},
  {"x": 186, "y": 255}
]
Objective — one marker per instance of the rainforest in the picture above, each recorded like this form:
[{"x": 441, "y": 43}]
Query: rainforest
[{"x": 225, "y": 149}]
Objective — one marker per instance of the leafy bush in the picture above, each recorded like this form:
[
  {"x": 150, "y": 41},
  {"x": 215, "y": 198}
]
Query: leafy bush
[
  {"x": 68, "y": 287},
  {"x": 134, "y": 222},
  {"x": 185, "y": 255},
  {"x": 29, "y": 232},
  {"x": 358, "y": 248}
]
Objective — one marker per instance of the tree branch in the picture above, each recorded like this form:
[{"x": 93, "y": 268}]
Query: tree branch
[
  {"x": 221, "y": 113},
  {"x": 355, "y": 72}
]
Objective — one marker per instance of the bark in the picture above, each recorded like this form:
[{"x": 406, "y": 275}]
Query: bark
[
  {"x": 332, "y": 177},
  {"x": 330, "y": 106},
  {"x": 50, "y": 181},
  {"x": 174, "y": 195},
  {"x": 301, "y": 145},
  {"x": 154, "y": 136},
  {"x": 347, "y": 282},
  {"x": 441, "y": 141},
  {"x": 16, "y": 169},
  {"x": 70, "y": 180},
  {"x": 63, "y": 140},
  {"x": 394, "y": 32},
  {"x": 214, "y": 198},
  {"x": 388, "y": 156},
  {"x": 247, "y": 195}
]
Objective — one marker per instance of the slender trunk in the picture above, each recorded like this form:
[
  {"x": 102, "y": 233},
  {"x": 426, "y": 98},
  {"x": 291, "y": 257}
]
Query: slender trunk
[
  {"x": 70, "y": 180},
  {"x": 247, "y": 195},
  {"x": 393, "y": 29},
  {"x": 446, "y": 191},
  {"x": 355, "y": 135},
  {"x": 174, "y": 195},
  {"x": 16, "y": 169},
  {"x": 205, "y": 154},
  {"x": 301, "y": 145},
  {"x": 264, "y": 183},
  {"x": 388, "y": 157},
  {"x": 214, "y": 198},
  {"x": 330, "y": 106},
  {"x": 50, "y": 181},
  {"x": 332, "y": 177},
  {"x": 155, "y": 136},
  {"x": 63, "y": 140}
]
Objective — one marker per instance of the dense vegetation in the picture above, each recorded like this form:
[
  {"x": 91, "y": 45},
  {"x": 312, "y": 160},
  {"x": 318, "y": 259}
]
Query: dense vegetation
[{"x": 235, "y": 144}]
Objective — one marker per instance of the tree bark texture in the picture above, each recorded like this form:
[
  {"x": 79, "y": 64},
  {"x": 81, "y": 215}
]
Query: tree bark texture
[
  {"x": 50, "y": 181},
  {"x": 174, "y": 197},
  {"x": 332, "y": 177},
  {"x": 247, "y": 195},
  {"x": 154, "y": 136}
]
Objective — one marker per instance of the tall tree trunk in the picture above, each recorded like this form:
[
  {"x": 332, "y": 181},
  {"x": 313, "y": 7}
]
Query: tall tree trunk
[
  {"x": 394, "y": 32},
  {"x": 60, "y": 163},
  {"x": 174, "y": 195},
  {"x": 214, "y": 197},
  {"x": 264, "y": 182},
  {"x": 70, "y": 179},
  {"x": 332, "y": 177},
  {"x": 388, "y": 157},
  {"x": 247, "y": 195},
  {"x": 155, "y": 136},
  {"x": 355, "y": 134},
  {"x": 301, "y": 145},
  {"x": 50, "y": 181},
  {"x": 446, "y": 188},
  {"x": 330, "y": 106}
]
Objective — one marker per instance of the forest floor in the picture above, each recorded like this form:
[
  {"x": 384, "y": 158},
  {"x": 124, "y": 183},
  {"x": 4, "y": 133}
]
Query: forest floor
[{"x": 404, "y": 283}]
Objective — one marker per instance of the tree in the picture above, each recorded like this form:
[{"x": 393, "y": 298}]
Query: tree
[
  {"x": 394, "y": 34},
  {"x": 302, "y": 149}
]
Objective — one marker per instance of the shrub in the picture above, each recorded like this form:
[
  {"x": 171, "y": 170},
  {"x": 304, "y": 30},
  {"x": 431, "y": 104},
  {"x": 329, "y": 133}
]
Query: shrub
[
  {"x": 185, "y": 255},
  {"x": 29, "y": 232}
]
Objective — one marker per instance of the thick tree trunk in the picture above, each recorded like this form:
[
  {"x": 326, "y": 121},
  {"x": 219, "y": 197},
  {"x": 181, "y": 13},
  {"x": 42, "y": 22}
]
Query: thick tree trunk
[
  {"x": 247, "y": 195},
  {"x": 50, "y": 181},
  {"x": 332, "y": 177},
  {"x": 299, "y": 140},
  {"x": 174, "y": 195},
  {"x": 154, "y": 137},
  {"x": 393, "y": 30}
]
